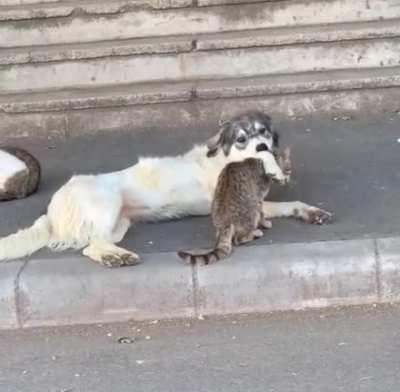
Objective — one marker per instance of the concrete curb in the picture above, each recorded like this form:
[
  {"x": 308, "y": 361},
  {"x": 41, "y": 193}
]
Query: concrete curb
[{"x": 70, "y": 290}]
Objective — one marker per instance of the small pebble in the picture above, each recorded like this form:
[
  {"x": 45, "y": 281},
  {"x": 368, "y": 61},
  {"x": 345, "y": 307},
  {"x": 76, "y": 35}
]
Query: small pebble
[
  {"x": 154, "y": 322},
  {"x": 148, "y": 337},
  {"x": 140, "y": 362},
  {"x": 109, "y": 334},
  {"x": 54, "y": 357},
  {"x": 398, "y": 140},
  {"x": 126, "y": 340},
  {"x": 77, "y": 375},
  {"x": 201, "y": 317},
  {"x": 233, "y": 337}
]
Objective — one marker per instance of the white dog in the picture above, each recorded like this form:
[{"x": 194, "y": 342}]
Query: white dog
[{"x": 95, "y": 211}]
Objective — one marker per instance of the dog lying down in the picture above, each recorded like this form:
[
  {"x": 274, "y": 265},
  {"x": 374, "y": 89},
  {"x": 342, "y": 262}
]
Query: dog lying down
[
  {"x": 94, "y": 212},
  {"x": 237, "y": 208}
]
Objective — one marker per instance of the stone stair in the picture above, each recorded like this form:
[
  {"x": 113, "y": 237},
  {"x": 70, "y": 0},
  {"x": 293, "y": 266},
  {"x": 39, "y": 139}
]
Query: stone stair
[{"x": 74, "y": 67}]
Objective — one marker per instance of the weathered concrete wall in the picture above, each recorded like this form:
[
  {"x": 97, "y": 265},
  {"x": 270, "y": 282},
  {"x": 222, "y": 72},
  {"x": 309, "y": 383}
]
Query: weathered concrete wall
[{"x": 62, "y": 56}]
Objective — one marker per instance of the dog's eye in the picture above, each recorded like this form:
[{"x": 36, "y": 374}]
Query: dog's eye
[
  {"x": 241, "y": 139},
  {"x": 262, "y": 130}
]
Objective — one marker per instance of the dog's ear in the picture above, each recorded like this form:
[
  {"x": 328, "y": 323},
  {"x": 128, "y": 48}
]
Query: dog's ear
[{"x": 214, "y": 143}]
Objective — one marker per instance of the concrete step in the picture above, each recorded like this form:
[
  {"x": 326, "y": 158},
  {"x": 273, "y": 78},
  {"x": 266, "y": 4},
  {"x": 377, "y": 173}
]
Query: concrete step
[
  {"x": 55, "y": 9},
  {"x": 92, "y": 50},
  {"x": 112, "y": 96},
  {"x": 193, "y": 20},
  {"x": 191, "y": 105},
  {"x": 12, "y": 3},
  {"x": 299, "y": 35},
  {"x": 215, "y": 64},
  {"x": 151, "y": 93},
  {"x": 187, "y": 43}
]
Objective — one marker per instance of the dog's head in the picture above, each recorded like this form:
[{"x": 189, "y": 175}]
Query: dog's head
[{"x": 244, "y": 136}]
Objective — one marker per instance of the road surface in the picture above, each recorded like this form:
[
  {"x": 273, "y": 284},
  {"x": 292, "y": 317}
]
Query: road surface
[{"x": 350, "y": 350}]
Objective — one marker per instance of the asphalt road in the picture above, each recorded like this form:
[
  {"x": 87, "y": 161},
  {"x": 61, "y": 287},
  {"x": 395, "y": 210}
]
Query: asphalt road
[{"x": 349, "y": 350}]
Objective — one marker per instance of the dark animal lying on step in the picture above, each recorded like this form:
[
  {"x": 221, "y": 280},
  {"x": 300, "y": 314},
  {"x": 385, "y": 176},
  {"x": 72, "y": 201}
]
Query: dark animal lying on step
[{"x": 20, "y": 173}]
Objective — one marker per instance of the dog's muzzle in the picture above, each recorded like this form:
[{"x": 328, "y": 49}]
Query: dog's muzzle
[{"x": 262, "y": 147}]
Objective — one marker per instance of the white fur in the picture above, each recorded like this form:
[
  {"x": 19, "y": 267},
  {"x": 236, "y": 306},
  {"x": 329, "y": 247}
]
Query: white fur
[
  {"x": 26, "y": 241},
  {"x": 9, "y": 165},
  {"x": 94, "y": 211}
]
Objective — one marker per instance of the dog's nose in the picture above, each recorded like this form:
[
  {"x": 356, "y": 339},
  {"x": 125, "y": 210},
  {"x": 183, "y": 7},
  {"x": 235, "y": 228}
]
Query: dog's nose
[{"x": 262, "y": 147}]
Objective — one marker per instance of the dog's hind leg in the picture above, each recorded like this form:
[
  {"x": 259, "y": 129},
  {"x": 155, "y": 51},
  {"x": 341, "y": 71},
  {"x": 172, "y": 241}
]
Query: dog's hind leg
[{"x": 296, "y": 209}]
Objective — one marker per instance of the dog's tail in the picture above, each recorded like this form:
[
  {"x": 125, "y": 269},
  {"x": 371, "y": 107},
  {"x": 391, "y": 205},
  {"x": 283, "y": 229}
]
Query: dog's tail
[
  {"x": 223, "y": 248},
  {"x": 26, "y": 241}
]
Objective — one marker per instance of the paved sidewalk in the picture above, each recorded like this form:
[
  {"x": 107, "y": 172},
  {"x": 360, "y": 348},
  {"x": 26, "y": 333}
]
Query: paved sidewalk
[{"x": 347, "y": 167}]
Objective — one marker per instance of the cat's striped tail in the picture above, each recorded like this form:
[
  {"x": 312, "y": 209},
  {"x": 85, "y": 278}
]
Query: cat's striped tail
[{"x": 222, "y": 249}]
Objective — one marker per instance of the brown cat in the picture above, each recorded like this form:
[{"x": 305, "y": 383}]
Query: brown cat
[
  {"x": 20, "y": 173},
  {"x": 236, "y": 211}
]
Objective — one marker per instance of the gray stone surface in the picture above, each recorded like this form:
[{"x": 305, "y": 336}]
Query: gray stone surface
[
  {"x": 8, "y": 294},
  {"x": 110, "y": 112},
  {"x": 301, "y": 34},
  {"x": 346, "y": 350},
  {"x": 296, "y": 276},
  {"x": 388, "y": 251},
  {"x": 206, "y": 3},
  {"x": 142, "y": 23},
  {"x": 72, "y": 290},
  {"x": 153, "y": 93},
  {"x": 33, "y": 124},
  {"x": 233, "y": 63},
  {"x": 300, "y": 83},
  {"x": 24, "y": 2},
  {"x": 23, "y": 10},
  {"x": 96, "y": 50},
  {"x": 117, "y": 96},
  {"x": 213, "y": 41}
]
